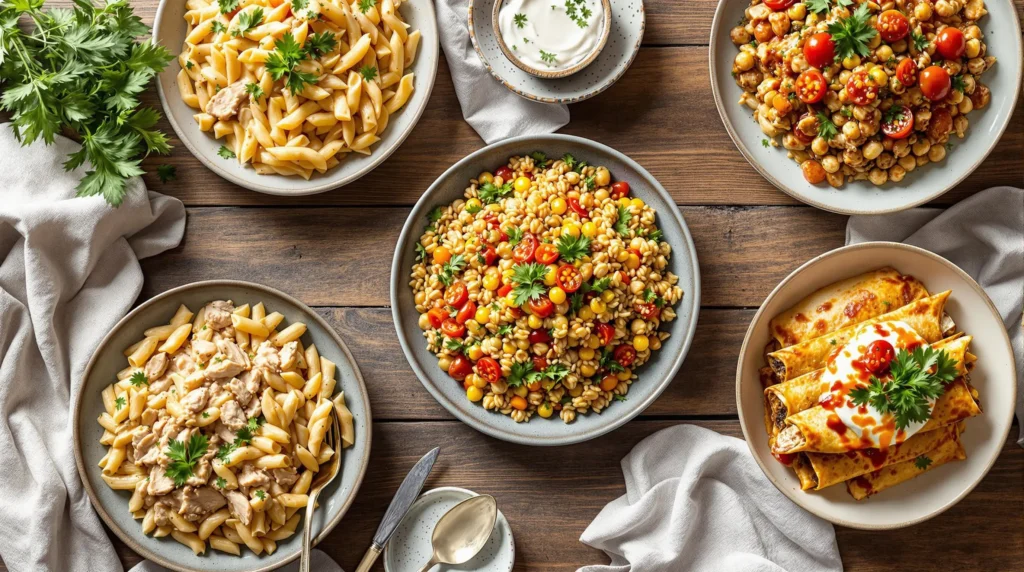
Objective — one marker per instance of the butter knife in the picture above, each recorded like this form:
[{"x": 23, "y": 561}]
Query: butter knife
[{"x": 407, "y": 493}]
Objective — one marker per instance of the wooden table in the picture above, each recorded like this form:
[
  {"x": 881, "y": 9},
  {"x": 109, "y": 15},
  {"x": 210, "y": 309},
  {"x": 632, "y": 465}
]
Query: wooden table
[{"x": 333, "y": 251}]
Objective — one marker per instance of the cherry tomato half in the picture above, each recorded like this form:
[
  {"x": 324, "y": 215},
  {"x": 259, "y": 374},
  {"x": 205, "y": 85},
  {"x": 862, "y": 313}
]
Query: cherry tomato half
[
  {"x": 619, "y": 190},
  {"x": 453, "y": 329},
  {"x": 546, "y": 253},
  {"x": 861, "y": 89},
  {"x": 488, "y": 369},
  {"x": 950, "y": 43},
  {"x": 526, "y": 249},
  {"x": 577, "y": 208},
  {"x": 892, "y": 25},
  {"x": 541, "y": 307},
  {"x": 504, "y": 290},
  {"x": 456, "y": 294},
  {"x": 539, "y": 337},
  {"x": 820, "y": 50},
  {"x": 436, "y": 316},
  {"x": 539, "y": 363},
  {"x": 906, "y": 72},
  {"x": 900, "y": 122},
  {"x": 940, "y": 124},
  {"x": 569, "y": 278},
  {"x": 490, "y": 256},
  {"x": 647, "y": 310},
  {"x": 624, "y": 354},
  {"x": 466, "y": 312},
  {"x": 605, "y": 333},
  {"x": 880, "y": 353},
  {"x": 935, "y": 82},
  {"x": 505, "y": 173},
  {"x": 624, "y": 278},
  {"x": 778, "y": 5},
  {"x": 460, "y": 368},
  {"x": 811, "y": 86}
]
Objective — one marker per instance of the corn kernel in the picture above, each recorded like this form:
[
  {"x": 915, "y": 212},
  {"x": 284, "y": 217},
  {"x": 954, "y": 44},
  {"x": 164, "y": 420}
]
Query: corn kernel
[
  {"x": 607, "y": 296},
  {"x": 474, "y": 393},
  {"x": 641, "y": 343},
  {"x": 587, "y": 370},
  {"x": 598, "y": 306},
  {"x": 534, "y": 321},
  {"x": 586, "y": 354},
  {"x": 589, "y": 229}
]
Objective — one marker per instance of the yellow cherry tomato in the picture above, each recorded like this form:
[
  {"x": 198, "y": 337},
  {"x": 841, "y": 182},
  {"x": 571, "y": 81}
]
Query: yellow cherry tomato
[
  {"x": 534, "y": 321},
  {"x": 478, "y": 381},
  {"x": 522, "y": 184},
  {"x": 551, "y": 276},
  {"x": 587, "y": 370},
  {"x": 485, "y": 177},
  {"x": 521, "y": 391},
  {"x": 558, "y": 206},
  {"x": 609, "y": 382},
  {"x": 622, "y": 256},
  {"x": 594, "y": 342},
  {"x": 442, "y": 255},
  {"x": 491, "y": 281},
  {"x": 586, "y": 313},
  {"x": 483, "y": 314},
  {"x": 474, "y": 393},
  {"x": 576, "y": 391},
  {"x": 589, "y": 229},
  {"x": 518, "y": 402},
  {"x": 473, "y": 205},
  {"x": 624, "y": 375},
  {"x": 624, "y": 201},
  {"x": 598, "y": 306},
  {"x": 545, "y": 410},
  {"x": 572, "y": 229},
  {"x": 586, "y": 354},
  {"x": 510, "y": 300},
  {"x": 641, "y": 343},
  {"x": 508, "y": 348},
  {"x": 607, "y": 296},
  {"x": 633, "y": 261},
  {"x": 637, "y": 202},
  {"x": 474, "y": 353},
  {"x": 556, "y": 295}
]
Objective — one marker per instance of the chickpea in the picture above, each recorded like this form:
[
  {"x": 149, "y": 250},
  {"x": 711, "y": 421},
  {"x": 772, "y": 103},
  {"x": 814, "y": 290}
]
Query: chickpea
[
  {"x": 900, "y": 148},
  {"x": 872, "y": 149},
  {"x": 973, "y": 48},
  {"x": 819, "y": 146},
  {"x": 638, "y": 326},
  {"x": 921, "y": 147},
  {"x": 444, "y": 362},
  {"x": 908, "y": 162},
  {"x": 878, "y": 176},
  {"x": 780, "y": 23},
  {"x": 923, "y": 11},
  {"x": 875, "y": 41},
  {"x": 769, "y": 97},
  {"x": 896, "y": 173},
  {"x": 797, "y": 11},
  {"x": 899, "y": 46},
  {"x": 885, "y": 160},
  {"x": 973, "y": 32},
  {"x": 945, "y": 8},
  {"x": 851, "y": 130},
  {"x": 602, "y": 177},
  {"x": 976, "y": 66},
  {"x": 830, "y": 164},
  {"x": 739, "y": 36},
  {"x": 936, "y": 153},
  {"x": 763, "y": 31},
  {"x": 835, "y": 179},
  {"x": 956, "y": 96},
  {"x": 883, "y": 53},
  {"x": 860, "y": 113}
]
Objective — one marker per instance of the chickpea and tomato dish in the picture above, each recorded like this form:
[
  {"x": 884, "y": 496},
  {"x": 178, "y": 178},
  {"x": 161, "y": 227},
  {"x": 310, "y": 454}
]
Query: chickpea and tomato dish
[
  {"x": 543, "y": 289},
  {"x": 862, "y": 91}
]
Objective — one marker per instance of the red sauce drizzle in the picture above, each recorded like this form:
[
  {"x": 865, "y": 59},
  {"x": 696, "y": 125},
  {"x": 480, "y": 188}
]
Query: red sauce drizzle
[
  {"x": 825, "y": 307},
  {"x": 876, "y": 456},
  {"x": 785, "y": 458},
  {"x": 836, "y": 424}
]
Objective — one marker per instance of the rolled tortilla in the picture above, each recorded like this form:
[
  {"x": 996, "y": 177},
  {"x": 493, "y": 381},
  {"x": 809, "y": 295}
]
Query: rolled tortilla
[
  {"x": 802, "y": 393},
  {"x": 925, "y": 316},
  {"x": 845, "y": 303},
  {"x": 877, "y": 481},
  {"x": 819, "y": 430}
]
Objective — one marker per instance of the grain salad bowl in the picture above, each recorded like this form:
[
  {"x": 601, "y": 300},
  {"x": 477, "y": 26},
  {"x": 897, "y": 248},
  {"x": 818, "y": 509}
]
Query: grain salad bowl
[
  {"x": 652, "y": 377},
  {"x": 108, "y": 359}
]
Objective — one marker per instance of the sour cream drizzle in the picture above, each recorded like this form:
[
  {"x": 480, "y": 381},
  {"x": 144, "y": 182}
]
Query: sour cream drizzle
[{"x": 542, "y": 35}]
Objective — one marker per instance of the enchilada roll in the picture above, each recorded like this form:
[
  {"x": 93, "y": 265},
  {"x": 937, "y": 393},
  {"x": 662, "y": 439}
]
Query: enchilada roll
[
  {"x": 844, "y": 304},
  {"x": 874, "y": 482},
  {"x": 924, "y": 316}
]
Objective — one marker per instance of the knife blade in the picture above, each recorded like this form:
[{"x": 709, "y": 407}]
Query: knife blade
[{"x": 407, "y": 493}]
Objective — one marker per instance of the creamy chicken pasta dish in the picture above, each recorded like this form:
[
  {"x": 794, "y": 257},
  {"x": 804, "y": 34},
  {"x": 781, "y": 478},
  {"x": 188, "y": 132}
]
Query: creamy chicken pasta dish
[
  {"x": 218, "y": 427},
  {"x": 293, "y": 85}
]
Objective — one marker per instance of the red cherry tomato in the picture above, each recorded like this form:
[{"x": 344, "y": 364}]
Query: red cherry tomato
[
  {"x": 505, "y": 173},
  {"x": 820, "y": 50},
  {"x": 488, "y": 369},
  {"x": 569, "y": 278},
  {"x": 539, "y": 337},
  {"x": 935, "y": 82},
  {"x": 577, "y": 208},
  {"x": 619, "y": 190},
  {"x": 460, "y": 368},
  {"x": 605, "y": 333},
  {"x": 813, "y": 172},
  {"x": 490, "y": 256},
  {"x": 624, "y": 278},
  {"x": 861, "y": 89},
  {"x": 456, "y": 294},
  {"x": 647, "y": 310},
  {"x": 453, "y": 329},
  {"x": 811, "y": 86},
  {"x": 541, "y": 307},
  {"x": 526, "y": 249},
  {"x": 436, "y": 316},
  {"x": 799, "y": 129},
  {"x": 906, "y": 72},
  {"x": 624, "y": 354},
  {"x": 892, "y": 25},
  {"x": 880, "y": 353},
  {"x": 941, "y": 123},
  {"x": 546, "y": 253},
  {"x": 539, "y": 363},
  {"x": 950, "y": 43},
  {"x": 466, "y": 312},
  {"x": 504, "y": 290},
  {"x": 900, "y": 122},
  {"x": 778, "y": 5}
]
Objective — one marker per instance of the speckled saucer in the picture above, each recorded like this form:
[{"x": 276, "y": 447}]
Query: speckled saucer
[
  {"x": 409, "y": 549},
  {"x": 627, "y": 32}
]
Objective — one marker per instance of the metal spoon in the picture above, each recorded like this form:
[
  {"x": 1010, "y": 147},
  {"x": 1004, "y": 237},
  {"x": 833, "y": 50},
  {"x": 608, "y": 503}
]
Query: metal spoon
[{"x": 463, "y": 531}]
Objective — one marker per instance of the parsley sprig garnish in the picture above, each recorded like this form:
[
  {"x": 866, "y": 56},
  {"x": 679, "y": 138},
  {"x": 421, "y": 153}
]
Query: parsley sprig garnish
[
  {"x": 365, "y": 5},
  {"x": 822, "y": 6},
  {"x": 138, "y": 379},
  {"x": 608, "y": 361},
  {"x": 547, "y": 57},
  {"x": 908, "y": 395},
  {"x": 826, "y": 129},
  {"x": 254, "y": 90},
  {"x": 242, "y": 438},
  {"x": 320, "y": 44},
  {"x": 529, "y": 280},
  {"x": 120, "y": 402},
  {"x": 247, "y": 21},
  {"x": 489, "y": 193},
  {"x": 519, "y": 20},
  {"x": 573, "y": 248},
  {"x": 448, "y": 270},
  {"x": 515, "y": 234},
  {"x": 920, "y": 41},
  {"x": 852, "y": 34},
  {"x": 922, "y": 462},
  {"x": 958, "y": 83},
  {"x": 622, "y": 225},
  {"x": 578, "y": 12},
  {"x": 283, "y": 63},
  {"x": 166, "y": 172},
  {"x": 184, "y": 457}
]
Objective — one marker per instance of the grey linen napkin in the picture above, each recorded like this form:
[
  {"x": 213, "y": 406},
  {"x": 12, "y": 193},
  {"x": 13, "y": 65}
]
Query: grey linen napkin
[
  {"x": 984, "y": 236},
  {"x": 70, "y": 271},
  {"x": 318, "y": 562},
  {"x": 697, "y": 501},
  {"x": 493, "y": 111}
]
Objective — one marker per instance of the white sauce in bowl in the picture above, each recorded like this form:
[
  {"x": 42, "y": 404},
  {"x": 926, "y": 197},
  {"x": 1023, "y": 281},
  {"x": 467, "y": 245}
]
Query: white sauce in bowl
[{"x": 551, "y": 35}]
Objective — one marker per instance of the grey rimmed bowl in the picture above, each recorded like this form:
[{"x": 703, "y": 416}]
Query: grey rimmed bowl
[
  {"x": 654, "y": 376},
  {"x": 1002, "y": 35},
  {"x": 169, "y": 30},
  {"x": 108, "y": 359}
]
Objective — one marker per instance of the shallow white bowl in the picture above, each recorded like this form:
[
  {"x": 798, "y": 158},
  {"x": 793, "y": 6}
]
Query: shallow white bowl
[
  {"x": 169, "y": 30},
  {"x": 994, "y": 377},
  {"x": 1003, "y": 37}
]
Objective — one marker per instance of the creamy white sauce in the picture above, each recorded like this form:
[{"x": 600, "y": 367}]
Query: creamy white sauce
[
  {"x": 542, "y": 35},
  {"x": 866, "y": 422}
]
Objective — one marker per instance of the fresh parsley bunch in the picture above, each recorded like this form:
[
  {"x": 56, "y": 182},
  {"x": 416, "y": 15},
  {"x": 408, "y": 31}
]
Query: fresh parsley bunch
[
  {"x": 80, "y": 71},
  {"x": 913, "y": 386}
]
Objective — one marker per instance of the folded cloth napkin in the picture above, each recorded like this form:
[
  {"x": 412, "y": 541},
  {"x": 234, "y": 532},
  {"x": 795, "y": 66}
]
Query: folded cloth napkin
[
  {"x": 984, "y": 236},
  {"x": 493, "y": 111},
  {"x": 70, "y": 271},
  {"x": 318, "y": 562},
  {"x": 697, "y": 501}
]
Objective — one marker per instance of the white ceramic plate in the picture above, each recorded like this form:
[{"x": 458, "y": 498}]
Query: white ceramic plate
[
  {"x": 994, "y": 377},
  {"x": 623, "y": 44},
  {"x": 169, "y": 30},
  {"x": 1003, "y": 37},
  {"x": 409, "y": 549}
]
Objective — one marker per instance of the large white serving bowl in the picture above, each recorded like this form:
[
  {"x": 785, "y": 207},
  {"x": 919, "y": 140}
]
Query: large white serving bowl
[{"x": 994, "y": 377}]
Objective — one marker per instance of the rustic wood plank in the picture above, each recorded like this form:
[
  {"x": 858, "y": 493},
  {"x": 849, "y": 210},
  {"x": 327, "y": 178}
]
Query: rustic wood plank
[
  {"x": 549, "y": 507},
  {"x": 342, "y": 256}
]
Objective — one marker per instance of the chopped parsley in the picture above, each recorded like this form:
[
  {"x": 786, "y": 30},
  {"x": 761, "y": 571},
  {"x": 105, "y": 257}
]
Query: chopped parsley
[
  {"x": 166, "y": 172},
  {"x": 539, "y": 158},
  {"x": 319, "y": 44},
  {"x": 184, "y": 457},
  {"x": 505, "y": 330},
  {"x": 254, "y": 90},
  {"x": 573, "y": 248},
  {"x": 247, "y": 21},
  {"x": 206, "y": 414},
  {"x": 922, "y": 462},
  {"x": 515, "y": 234},
  {"x": 421, "y": 252},
  {"x": 893, "y": 114},
  {"x": 622, "y": 225},
  {"x": 518, "y": 373},
  {"x": 473, "y": 208},
  {"x": 260, "y": 494},
  {"x": 220, "y": 483},
  {"x": 547, "y": 57},
  {"x": 217, "y": 27},
  {"x": 907, "y": 396},
  {"x": 765, "y": 143},
  {"x": 619, "y": 397},
  {"x": 852, "y": 34},
  {"x": 365, "y": 5},
  {"x": 529, "y": 280},
  {"x": 119, "y": 403},
  {"x": 569, "y": 161},
  {"x": 225, "y": 153},
  {"x": 822, "y": 6},
  {"x": 227, "y": 6},
  {"x": 578, "y": 12},
  {"x": 369, "y": 73},
  {"x": 826, "y": 129},
  {"x": 283, "y": 62},
  {"x": 958, "y": 83},
  {"x": 608, "y": 361},
  {"x": 489, "y": 193},
  {"x": 920, "y": 41},
  {"x": 455, "y": 345},
  {"x": 651, "y": 297},
  {"x": 139, "y": 379},
  {"x": 598, "y": 286},
  {"x": 519, "y": 20},
  {"x": 655, "y": 235},
  {"x": 450, "y": 268}
]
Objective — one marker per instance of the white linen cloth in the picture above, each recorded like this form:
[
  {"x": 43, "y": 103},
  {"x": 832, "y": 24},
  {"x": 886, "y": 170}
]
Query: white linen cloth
[
  {"x": 318, "y": 562},
  {"x": 984, "y": 236},
  {"x": 492, "y": 110},
  {"x": 697, "y": 501},
  {"x": 69, "y": 272}
]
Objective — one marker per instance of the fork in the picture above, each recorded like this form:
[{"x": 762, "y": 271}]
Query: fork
[{"x": 323, "y": 478}]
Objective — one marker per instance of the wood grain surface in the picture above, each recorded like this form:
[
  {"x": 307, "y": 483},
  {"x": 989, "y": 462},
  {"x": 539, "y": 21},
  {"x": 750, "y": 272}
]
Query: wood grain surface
[{"x": 334, "y": 251}]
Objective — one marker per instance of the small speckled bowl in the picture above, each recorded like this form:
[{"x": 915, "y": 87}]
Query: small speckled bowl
[
  {"x": 547, "y": 74},
  {"x": 625, "y": 33},
  {"x": 409, "y": 549}
]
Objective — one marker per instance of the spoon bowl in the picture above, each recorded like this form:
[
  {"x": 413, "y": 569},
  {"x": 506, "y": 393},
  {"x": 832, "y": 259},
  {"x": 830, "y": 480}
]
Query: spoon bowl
[{"x": 463, "y": 531}]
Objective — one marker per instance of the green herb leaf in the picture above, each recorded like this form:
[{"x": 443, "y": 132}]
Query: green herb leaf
[
  {"x": 765, "y": 143},
  {"x": 539, "y": 158},
  {"x": 218, "y": 27},
  {"x": 119, "y": 403},
  {"x": 515, "y": 234},
  {"x": 505, "y": 330},
  {"x": 852, "y": 34},
  {"x": 655, "y": 235},
  {"x": 254, "y": 90},
  {"x": 520, "y": 370},
  {"x": 547, "y": 57},
  {"x": 920, "y": 41},
  {"x": 826, "y": 129},
  {"x": 166, "y": 172},
  {"x": 247, "y": 21},
  {"x": 529, "y": 280},
  {"x": 138, "y": 379},
  {"x": 922, "y": 462},
  {"x": 490, "y": 193},
  {"x": 227, "y": 6},
  {"x": 220, "y": 483},
  {"x": 519, "y": 20},
  {"x": 449, "y": 269},
  {"x": 598, "y": 286},
  {"x": 184, "y": 457},
  {"x": 320, "y": 44},
  {"x": 260, "y": 494},
  {"x": 913, "y": 385},
  {"x": 622, "y": 224},
  {"x": 225, "y": 153},
  {"x": 958, "y": 83},
  {"x": 365, "y": 5},
  {"x": 573, "y": 248},
  {"x": 368, "y": 73}
]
